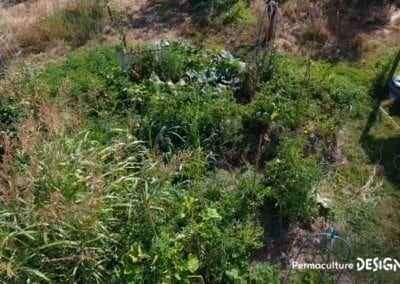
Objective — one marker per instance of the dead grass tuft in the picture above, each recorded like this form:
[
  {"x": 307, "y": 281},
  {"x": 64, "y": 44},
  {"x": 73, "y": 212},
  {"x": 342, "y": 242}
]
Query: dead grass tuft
[
  {"x": 302, "y": 21},
  {"x": 316, "y": 32},
  {"x": 53, "y": 212},
  {"x": 128, "y": 7},
  {"x": 49, "y": 116},
  {"x": 295, "y": 9},
  {"x": 5, "y": 166},
  {"x": 28, "y": 137}
]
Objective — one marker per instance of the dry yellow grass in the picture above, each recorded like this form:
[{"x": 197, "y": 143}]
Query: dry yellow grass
[
  {"x": 29, "y": 136},
  {"x": 294, "y": 9},
  {"x": 128, "y": 6},
  {"x": 5, "y": 166},
  {"x": 316, "y": 31},
  {"x": 301, "y": 21},
  {"x": 22, "y": 21},
  {"x": 37, "y": 24},
  {"x": 395, "y": 17},
  {"x": 49, "y": 116}
]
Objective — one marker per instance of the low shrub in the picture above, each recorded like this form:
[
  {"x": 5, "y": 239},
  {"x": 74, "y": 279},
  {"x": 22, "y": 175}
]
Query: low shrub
[
  {"x": 238, "y": 15},
  {"x": 316, "y": 32},
  {"x": 9, "y": 114},
  {"x": 75, "y": 21},
  {"x": 291, "y": 177}
]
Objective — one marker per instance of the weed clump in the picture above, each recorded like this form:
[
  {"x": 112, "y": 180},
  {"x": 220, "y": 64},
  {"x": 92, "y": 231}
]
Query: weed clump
[{"x": 9, "y": 113}]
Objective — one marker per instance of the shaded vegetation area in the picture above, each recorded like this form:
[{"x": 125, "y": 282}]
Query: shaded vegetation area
[
  {"x": 199, "y": 19},
  {"x": 356, "y": 17}
]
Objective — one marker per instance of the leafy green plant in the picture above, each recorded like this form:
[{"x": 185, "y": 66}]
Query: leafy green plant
[
  {"x": 291, "y": 177},
  {"x": 9, "y": 113},
  {"x": 261, "y": 273}
]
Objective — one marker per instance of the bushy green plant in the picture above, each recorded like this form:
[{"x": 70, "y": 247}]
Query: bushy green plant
[
  {"x": 238, "y": 15},
  {"x": 291, "y": 177},
  {"x": 213, "y": 236},
  {"x": 260, "y": 273},
  {"x": 9, "y": 113},
  {"x": 181, "y": 62},
  {"x": 191, "y": 118},
  {"x": 168, "y": 61}
]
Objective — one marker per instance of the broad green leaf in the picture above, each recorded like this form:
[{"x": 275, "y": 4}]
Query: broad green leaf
[
  {"x": 233, "y": 274},
  {"x": 193, "y": 263},
  {"x": 211, "y": 213},
  {"x": 37, "y": 273}
]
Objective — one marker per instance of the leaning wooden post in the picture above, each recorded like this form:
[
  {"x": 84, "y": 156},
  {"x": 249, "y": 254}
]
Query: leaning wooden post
[{"x": 272, "y": 21}]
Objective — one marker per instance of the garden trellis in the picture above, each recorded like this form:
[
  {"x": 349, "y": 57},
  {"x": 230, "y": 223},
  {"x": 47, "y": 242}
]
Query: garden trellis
[
  {"x": 323, "y": 248},
  {"x": 126, "y": 57}
]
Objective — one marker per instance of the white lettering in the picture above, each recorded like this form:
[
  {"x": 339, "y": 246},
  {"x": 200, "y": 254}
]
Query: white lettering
[
  {"x": 372, "y": 264},
  {"x": 396, "y": 265},
  {"x": 376, "y": 264},
  {"x": 350, "y": 266},
  {"x": 360, "y": 264},
  {"x": 368, "y": 264}
]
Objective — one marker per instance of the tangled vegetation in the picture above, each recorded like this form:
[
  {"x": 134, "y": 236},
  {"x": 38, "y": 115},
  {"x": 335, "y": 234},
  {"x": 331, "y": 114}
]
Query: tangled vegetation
[
  {"x": 160, "y": 174},
  {"x": 190, "y": 164}
]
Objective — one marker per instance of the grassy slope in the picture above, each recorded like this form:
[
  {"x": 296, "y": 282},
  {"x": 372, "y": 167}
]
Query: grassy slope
[{"x": 365, "y": 189}]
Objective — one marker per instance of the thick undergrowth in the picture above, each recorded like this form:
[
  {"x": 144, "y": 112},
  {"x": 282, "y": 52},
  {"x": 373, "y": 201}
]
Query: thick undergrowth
[{"x": 160, "y": 174}]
